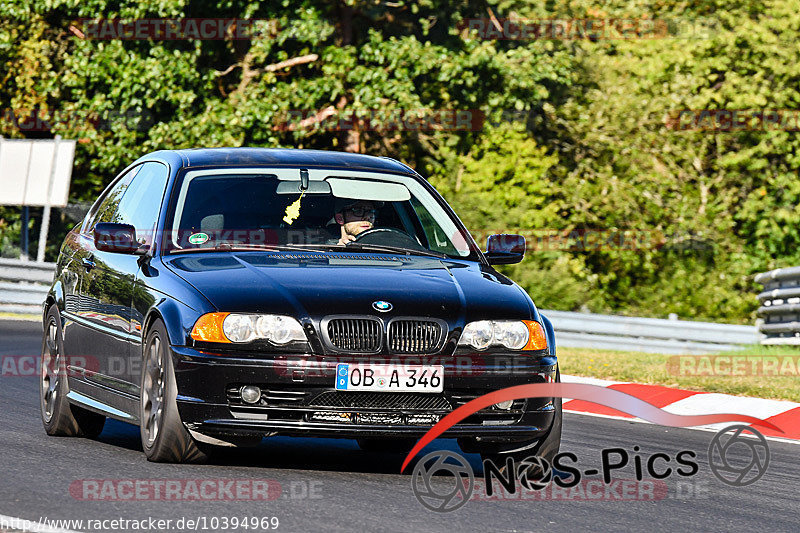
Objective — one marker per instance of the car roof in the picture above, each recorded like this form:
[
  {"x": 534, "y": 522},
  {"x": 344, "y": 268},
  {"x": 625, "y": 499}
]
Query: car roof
[{"x": 290, "y": 157}]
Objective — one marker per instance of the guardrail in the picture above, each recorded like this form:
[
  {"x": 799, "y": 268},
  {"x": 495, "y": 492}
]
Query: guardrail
[
  {"x": 780, "y": 306},
  {"x": 24, "y": 285},
  {"x": 654, "y": 335}
]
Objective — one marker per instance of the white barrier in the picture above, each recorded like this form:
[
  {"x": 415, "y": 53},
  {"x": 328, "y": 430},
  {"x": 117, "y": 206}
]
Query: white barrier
[
  {"x": 24, "y": 285},
  {"x": 654, "y": 335}
]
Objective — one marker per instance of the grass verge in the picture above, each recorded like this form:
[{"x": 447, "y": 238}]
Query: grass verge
[
  {"x": 757, "y": 371},
  {"x": 19, "y": 316}
]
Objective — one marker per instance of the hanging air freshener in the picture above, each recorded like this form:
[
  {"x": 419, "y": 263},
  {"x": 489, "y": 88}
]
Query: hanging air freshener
[{"x": 293, "y": 209}]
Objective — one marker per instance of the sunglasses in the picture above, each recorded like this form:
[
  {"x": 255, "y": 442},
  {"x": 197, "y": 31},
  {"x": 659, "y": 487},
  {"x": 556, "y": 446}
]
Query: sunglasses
[{"x": 362, "y": 212}]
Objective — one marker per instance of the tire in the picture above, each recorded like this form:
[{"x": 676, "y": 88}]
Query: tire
[
  {"x": 386, "y": 445},
  {"x": 545, "y": 447},
  {"x": 164, "y": 437},
  {"x": 60, "y": 418}
]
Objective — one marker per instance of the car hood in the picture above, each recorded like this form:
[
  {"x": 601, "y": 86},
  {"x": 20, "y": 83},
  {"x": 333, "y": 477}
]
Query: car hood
[{"x": 314, "y": 285}]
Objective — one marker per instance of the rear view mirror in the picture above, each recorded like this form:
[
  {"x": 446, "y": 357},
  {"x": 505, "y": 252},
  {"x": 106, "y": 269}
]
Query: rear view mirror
[
  {"x": 115, "y": 238},
  {"x": 505, "y": 249},
  {"x": 293, "y": 187}
]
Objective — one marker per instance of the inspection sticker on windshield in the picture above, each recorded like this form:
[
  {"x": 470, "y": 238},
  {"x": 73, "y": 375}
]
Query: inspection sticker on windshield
[
  {"x": 198, "y": 238},
  {"x": 389, "y": 378}
]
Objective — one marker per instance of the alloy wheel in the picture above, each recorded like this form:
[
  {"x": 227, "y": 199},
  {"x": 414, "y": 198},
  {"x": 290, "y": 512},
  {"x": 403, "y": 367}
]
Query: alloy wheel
[
  {"x": 50, "y": 372},
  {"x": 153, "y": 390}
]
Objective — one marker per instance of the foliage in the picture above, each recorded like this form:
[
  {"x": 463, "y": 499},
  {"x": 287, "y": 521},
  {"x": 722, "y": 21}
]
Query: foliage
[{"x": 576, "y": 137}]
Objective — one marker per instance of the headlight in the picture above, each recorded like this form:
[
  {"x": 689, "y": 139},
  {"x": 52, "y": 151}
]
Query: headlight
[
  {"x": 279, "y": 329},
  {"x": 241, "y": 328},
  {"x": 511, "y": 334},
  {"x": 479, "y": 334}
]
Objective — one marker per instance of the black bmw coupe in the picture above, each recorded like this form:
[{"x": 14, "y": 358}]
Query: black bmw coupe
[{"x": 215, "y": 297}]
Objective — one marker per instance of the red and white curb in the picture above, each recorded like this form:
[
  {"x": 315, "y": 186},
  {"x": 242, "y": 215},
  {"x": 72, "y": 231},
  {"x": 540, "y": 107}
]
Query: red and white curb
[{"x": 785, "y": 415}]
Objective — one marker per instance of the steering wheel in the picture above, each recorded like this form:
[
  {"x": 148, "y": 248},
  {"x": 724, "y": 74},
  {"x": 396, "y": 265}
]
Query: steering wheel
[{"x": 387, "y": 237}]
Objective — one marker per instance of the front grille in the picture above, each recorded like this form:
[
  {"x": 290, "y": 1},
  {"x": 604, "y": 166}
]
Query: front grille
[
  {"x": 375, "y": 419},
  {"x": 359, "y": 335},
  {"x": 381, "y": 400},
  {"x": 414, "y": 336}
]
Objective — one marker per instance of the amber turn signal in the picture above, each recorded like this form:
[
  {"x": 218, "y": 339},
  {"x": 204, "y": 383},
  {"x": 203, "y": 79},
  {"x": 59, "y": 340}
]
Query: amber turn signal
[
  {"x": 536, "y": 339},
  {"x": 208, "y": 328}
]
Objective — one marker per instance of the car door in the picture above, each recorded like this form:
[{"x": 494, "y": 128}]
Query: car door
[
  {"x": 140, "y": 207},
  {"x": 105, "y": 283},
  {"x": 109, "y": 283},
  {"x": 84, "y": 343}
]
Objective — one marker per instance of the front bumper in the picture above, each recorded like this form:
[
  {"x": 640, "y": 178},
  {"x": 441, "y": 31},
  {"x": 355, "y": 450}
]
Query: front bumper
[{"x": 300, "y": 398}]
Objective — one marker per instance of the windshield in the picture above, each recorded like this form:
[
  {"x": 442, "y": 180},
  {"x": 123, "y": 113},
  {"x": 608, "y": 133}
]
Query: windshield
[{"x": 223, "y": 209}]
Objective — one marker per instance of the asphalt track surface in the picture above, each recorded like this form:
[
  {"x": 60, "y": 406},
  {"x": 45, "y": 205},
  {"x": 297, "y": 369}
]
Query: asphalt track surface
[{"x": 331, "y": 485}]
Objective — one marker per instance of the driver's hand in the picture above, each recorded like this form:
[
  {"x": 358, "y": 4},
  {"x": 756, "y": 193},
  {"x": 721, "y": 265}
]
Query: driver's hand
[{"x": 346, "y": 239}]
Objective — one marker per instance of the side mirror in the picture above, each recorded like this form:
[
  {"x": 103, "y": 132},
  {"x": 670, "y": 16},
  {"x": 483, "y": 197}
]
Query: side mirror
[
  {"x": 505, "y": 249},
  {"x": 116, "y": 238}
]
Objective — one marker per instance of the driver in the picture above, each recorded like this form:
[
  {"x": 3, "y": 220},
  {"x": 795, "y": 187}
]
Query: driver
[{"x": 354, "y": 217}]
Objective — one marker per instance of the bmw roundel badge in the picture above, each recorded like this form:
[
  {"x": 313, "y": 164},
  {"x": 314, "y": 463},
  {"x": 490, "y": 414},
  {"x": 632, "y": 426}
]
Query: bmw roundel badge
[{"x": 382, "y": 306}]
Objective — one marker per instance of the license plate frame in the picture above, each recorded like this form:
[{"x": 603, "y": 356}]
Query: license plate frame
[{"x": 371, "y": 377}]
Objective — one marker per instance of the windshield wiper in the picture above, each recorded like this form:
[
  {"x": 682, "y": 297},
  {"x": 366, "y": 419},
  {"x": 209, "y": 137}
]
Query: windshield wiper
[
  {"x": 375, "y": 247},
  {"x": 222, "y": 247},
  {"x": 396, "y": 249},
  {"x": 305, "y": 247},
  {"x": 318, "y": 248},
  {"x": 232, "y": 247}
]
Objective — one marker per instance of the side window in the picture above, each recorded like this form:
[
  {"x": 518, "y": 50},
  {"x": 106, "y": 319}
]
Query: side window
[
  {"x": 437, "y": 239},
  {"x": 104, "y": 209},
  {"x": 141, "y": 202}
]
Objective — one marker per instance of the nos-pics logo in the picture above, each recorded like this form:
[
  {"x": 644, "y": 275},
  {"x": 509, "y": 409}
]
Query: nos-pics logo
[
  {"x": 444, "y": 481},
  {"x": 532, "y": 473}
]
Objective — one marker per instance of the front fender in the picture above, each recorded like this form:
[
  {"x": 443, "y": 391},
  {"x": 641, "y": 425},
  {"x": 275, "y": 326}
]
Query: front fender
[
  {"x": 178, "y": 319},
  {"x": 54, "y": 296},
  {"x": 550, "y": 333}
]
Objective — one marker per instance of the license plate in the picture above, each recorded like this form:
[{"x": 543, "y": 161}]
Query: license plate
[{"x": 389, "y": 378}]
